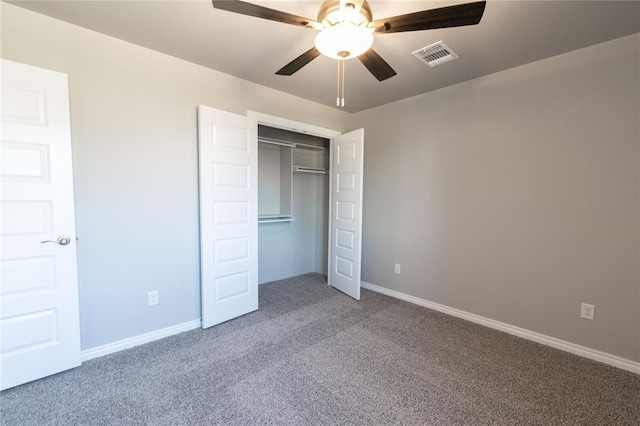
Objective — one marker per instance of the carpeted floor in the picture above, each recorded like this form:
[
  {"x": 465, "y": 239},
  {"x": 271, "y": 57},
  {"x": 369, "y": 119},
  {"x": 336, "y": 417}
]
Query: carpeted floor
[{"x": 313, "y": 356}]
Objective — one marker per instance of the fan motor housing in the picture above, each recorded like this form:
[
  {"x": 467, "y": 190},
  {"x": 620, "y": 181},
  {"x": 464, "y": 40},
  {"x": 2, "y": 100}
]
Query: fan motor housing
[{"x": 330, "y": 6}]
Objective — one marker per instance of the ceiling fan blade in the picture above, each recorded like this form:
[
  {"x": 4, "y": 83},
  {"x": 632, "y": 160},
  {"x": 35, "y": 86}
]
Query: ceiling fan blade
[
  {"x": 444, "y": 17},
  {"x": 250, "y": 9},
  {"x": 299, "y": 62},
  {"x": 376, "y": 65}
]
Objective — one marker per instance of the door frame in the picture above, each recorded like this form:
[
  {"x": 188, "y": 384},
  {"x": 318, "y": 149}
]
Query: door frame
[{"x": 307, "y": 129}]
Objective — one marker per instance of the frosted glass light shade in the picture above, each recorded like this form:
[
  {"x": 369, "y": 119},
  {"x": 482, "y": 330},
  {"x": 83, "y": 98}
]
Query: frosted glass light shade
[{"x": 344, "y": 40}]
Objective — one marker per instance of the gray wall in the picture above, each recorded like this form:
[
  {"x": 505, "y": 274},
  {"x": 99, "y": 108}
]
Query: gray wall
[
  {"x": 134, "y": 135},
  {"x": 515, "y": 196}
]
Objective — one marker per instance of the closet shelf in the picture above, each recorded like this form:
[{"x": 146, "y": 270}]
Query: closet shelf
[
  {"x": 300, "y": 169},
  {"x": 271, "y": 218},
  {"x": 290, "y": 144}
]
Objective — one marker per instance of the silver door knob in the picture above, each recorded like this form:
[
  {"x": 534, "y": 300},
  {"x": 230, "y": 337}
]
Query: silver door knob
[{"x": 63, "y": 240}]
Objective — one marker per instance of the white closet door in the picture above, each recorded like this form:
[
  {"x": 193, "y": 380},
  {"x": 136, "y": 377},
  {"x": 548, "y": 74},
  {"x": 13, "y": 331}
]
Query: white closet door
[
  {"x": 228, "y": 215},
  {"x": 346, "y": 211},
  {"x": 39, "y": 325}
]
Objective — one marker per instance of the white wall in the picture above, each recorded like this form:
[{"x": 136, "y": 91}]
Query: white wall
[
  {"x": 134, "y": 135},
  {"x": 516, "y": 196}
]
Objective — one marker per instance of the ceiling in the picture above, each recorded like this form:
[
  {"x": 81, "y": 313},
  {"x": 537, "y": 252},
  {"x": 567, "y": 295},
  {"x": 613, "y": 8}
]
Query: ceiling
[{"x": 511, "y": 33}]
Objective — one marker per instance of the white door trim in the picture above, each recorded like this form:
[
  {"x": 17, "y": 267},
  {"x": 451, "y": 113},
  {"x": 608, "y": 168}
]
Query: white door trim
[{"x": 294, "y": 126}]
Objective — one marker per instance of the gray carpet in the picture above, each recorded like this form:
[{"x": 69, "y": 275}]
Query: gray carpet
[{"x": 312, "y": 355}]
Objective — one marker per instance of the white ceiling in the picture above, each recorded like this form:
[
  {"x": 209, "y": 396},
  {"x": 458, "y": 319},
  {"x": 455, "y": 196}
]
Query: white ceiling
[{"x": 511, "y": 33}]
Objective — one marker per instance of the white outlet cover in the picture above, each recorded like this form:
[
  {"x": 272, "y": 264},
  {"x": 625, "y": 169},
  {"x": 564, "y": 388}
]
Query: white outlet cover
[{"x": 587, "y": 311}]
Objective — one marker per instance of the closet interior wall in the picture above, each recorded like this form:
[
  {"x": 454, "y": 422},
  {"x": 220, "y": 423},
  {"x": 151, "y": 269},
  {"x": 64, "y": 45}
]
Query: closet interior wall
[{"x": 291, "y": 183}]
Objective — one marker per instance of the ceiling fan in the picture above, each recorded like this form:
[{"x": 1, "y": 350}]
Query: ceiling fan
[{"x": 347, "y": 28}]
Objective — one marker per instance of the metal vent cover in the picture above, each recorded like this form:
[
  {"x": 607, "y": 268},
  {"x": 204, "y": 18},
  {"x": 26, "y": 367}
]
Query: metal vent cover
[{"x": 436, "y": 54}]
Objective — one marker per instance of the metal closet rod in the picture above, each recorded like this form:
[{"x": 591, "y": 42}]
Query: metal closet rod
[
  {"x": 300, "y": 169},
  {"x": 276, "y": 142},
  {"x": 276, "y": 218}
]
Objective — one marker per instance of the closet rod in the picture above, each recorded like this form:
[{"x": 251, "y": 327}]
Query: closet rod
[
  {"x": 309, "y": 170},
  {"x": 309, "y": 146},
  {"x": 283, "y": 219},
  {"x": 276, "y": 142}
]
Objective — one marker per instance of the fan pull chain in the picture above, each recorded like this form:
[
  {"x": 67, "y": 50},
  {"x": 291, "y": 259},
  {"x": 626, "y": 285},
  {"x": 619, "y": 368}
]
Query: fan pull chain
[{"x": 340, "y": 97}]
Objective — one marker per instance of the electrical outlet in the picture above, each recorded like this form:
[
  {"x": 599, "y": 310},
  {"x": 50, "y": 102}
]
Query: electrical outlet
[
  {"x": 588, "y": 311},
  {"x": 396, "y": 268},
  {"x": 152, "y": 298}
]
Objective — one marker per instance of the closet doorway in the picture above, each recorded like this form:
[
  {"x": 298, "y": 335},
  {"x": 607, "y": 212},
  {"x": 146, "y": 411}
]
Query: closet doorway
[{"x": 278, "y": 198}]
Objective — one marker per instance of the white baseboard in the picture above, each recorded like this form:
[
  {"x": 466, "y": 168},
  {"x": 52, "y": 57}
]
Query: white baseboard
[
  {"x": 573, "y": 348},
  {"x": 130, "y": 342},
  {"x": 120, "y": 345}
]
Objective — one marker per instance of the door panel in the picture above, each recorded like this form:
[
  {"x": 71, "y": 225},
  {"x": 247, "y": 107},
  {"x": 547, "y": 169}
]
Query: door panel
[
  {"x": 39, "y": 323},
  {"x": 346, "y": 223},
  {"x": 228, "y": 215}
]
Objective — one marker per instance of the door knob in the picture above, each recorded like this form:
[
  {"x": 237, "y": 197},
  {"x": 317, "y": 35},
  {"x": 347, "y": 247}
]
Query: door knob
[{"x": 63, "y": 240}]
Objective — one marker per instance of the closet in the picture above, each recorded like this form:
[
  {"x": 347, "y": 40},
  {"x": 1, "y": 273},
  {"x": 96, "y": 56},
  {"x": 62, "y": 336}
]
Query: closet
[
  {"x": 293, "y": 203},
  {"x": 278, "y": 198}
]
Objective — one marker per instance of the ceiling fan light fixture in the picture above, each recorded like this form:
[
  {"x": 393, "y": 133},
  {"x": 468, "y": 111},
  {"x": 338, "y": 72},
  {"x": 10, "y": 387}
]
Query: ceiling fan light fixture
[
  {"x": 344, "y": 40},
  {"x": 347, "y": 27}
]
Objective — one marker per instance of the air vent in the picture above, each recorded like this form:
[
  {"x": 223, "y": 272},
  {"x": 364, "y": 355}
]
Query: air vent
[{"x": 435, "y": 54}]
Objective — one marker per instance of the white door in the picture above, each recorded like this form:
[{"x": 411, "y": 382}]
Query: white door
[
  {"x": 346, "y": 212},
  {"x": 39, "y": 325},
  {"x": 228, "y": 215}
]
